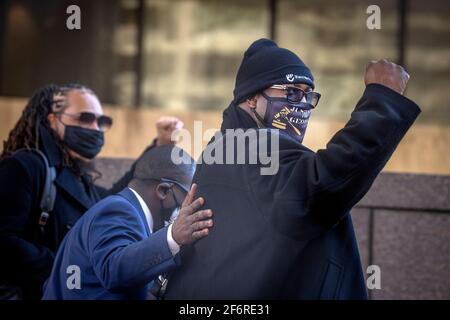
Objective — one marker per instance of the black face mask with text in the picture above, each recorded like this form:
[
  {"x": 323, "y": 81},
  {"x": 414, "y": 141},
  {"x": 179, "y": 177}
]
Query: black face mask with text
[{"x": 287, "y": 116}]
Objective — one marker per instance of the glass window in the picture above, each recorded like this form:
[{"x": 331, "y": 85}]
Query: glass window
[
  {"x": 193, "y": 48},
  {"x": 428, "y": 58},
  {"x": 37, "y": 48},
  {"x": 125, "y": 52},
  {"x": 332, "y": 38}
]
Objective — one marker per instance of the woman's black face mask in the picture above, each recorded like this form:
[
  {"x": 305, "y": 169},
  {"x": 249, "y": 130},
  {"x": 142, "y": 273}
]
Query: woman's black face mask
[
  {"x": 86, "y": 142},
  {"x": 287, "y": 116}
]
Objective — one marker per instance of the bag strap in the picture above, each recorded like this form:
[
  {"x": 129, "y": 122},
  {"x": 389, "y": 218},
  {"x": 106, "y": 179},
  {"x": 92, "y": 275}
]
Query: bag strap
[
  {"x": 48, "y": 195},
  {"x": 49, "y": 192}
]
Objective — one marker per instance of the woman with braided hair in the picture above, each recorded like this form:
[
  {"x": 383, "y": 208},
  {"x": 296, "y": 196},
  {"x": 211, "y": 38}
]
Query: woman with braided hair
[{"x": 65, "y": 124}]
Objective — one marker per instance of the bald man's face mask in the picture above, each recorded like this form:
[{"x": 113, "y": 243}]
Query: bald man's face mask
[
  {"x": 289, "y": 117},
  {"x": 169, "y": 214}
]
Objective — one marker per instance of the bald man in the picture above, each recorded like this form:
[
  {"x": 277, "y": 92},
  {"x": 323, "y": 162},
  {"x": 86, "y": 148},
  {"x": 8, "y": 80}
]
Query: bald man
[{"x": 124, "y": 242}]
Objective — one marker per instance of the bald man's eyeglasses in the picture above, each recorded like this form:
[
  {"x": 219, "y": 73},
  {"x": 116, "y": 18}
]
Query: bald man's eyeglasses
[
  {"x": 174, "y": 182},
  {"x": 169, "y": 181}
]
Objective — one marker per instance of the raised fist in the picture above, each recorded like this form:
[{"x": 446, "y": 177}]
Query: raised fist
[
  {"x": 388, "y": 74},
  {"x": 165, "y": 126}
]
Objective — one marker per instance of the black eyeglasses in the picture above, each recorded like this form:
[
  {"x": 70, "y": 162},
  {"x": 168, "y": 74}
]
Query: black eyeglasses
[
  {"x": 170, "y": 181},
  {"x": 174, "y": 182},
  {"x": 88, "y": 118},
  {"x": 296, "y": 95}
]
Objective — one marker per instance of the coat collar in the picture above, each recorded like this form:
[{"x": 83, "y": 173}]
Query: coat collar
[
  {"x": 66, "y": 179},
  {"x": 74, "y": 186},
  {"x": 48, "y": 146},
  {"x": 235, "y": 117},
  {"x": 129, "y": 195}
]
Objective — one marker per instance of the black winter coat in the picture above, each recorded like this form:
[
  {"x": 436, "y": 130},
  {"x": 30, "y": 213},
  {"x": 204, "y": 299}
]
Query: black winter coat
[{"x": 290, "y": 235}]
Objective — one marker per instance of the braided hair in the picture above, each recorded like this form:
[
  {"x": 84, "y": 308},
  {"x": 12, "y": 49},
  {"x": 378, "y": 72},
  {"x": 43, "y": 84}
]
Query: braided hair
[{"x": 25, "y": 134}]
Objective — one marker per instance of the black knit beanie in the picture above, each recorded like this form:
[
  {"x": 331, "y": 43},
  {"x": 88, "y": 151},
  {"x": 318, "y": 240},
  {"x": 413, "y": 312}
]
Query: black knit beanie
[{"x": 265, "y": 64}]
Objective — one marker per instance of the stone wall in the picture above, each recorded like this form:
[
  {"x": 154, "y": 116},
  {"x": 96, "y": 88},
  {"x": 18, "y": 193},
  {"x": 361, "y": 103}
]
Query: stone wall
[{"x": 402, "y": 225}]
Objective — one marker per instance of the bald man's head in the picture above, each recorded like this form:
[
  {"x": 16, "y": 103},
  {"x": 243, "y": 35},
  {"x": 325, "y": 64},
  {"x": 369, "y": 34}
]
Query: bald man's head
[
  {"x": 161, "y": 183},
  {"x": 156, "y": 164}
]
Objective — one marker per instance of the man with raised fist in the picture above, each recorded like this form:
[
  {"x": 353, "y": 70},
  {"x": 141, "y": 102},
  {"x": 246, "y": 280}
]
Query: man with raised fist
[{"x": 290, "y": 235}]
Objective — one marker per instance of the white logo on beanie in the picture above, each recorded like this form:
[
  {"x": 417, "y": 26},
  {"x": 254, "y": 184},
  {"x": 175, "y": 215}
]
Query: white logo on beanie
[{"x": 291, "y": 77}]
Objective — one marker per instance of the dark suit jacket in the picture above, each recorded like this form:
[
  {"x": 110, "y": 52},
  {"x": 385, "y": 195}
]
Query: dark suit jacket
[
  {"x": 289, "y": 235},
  {"x": 26, "y": 254},
  {"x": 113, "y": 248}
]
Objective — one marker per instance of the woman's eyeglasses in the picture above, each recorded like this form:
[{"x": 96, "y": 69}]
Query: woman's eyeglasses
[
  {"x": 296, "y": 95},
  {"x": 88, "y": 118}
]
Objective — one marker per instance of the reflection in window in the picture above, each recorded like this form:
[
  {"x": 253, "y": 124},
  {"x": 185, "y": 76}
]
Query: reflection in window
[
  {"x": 192, "y": 50},
  {"x": 333, "y": 40},
  {"x": 428, "y": 58},
  {"x": 125, "y": 52}
]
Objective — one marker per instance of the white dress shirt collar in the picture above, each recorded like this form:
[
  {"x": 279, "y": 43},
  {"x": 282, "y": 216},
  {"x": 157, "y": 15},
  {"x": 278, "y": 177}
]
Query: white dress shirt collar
[
  {"x": 173, "y": 245},
  {"x": 145, "y": 208}
]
